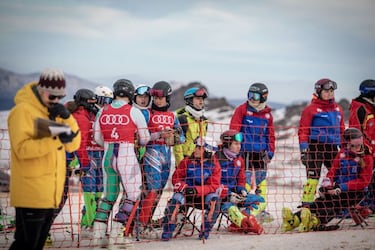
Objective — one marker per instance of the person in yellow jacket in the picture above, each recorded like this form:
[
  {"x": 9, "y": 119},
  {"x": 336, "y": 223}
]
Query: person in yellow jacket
[
  {"x": 37, "y": 160},
  {"x": 192, "y": 120}
]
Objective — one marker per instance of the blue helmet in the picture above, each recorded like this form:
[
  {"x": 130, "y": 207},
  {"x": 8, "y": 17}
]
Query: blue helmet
[
  {"x": 194, "y": 92},
  {"x": 367, "y": 88},
  {"x": 198, "y": 92}
]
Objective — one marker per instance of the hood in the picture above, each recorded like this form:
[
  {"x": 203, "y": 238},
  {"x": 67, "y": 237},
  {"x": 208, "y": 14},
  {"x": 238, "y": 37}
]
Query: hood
[{"x": 27, "y": 96}]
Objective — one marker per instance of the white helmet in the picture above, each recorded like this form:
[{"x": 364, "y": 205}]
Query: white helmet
[
  {"x": 208, "y": 143},
  {"x": 104, "y": 95}
]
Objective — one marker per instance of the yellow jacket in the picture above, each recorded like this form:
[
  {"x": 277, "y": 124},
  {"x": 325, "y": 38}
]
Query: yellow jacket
[
  {"x": 192, "y": 129},
  {"x": 38, "y": 166}
]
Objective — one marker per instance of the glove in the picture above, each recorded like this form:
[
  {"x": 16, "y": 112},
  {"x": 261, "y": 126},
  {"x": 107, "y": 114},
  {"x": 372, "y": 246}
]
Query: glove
[
  {"x": 190, "y": 191},
  {"x": 243, "y": 193},
  {"x": 58, "y": 110},
  {"x": 304, "y": 157},
  {"x": 303, "y": 146},
  {"x": 236, "y": 198},
  {"x": 335, "y": 191},
  {"x": 179, "y": 187},
  {"x": 267, "y": 156},
  {"x": 66, "y": 138}
]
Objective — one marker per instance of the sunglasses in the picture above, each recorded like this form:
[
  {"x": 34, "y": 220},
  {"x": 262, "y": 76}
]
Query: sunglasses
[
  {"x": 157, "y": 92},
  {"x": 142, "y": 90},
  {"x": 254, "y": 96},
  {"x": 53, "y": 97}
]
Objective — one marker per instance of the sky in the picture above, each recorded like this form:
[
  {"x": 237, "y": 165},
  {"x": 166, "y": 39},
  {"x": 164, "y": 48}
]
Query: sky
[{"x": 225, "y": 45}]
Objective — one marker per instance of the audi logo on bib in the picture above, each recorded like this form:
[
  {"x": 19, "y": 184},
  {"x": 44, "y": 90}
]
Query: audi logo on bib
[
  {"x": 163, "y": 119},
  {"x": 108, "y": 119}
]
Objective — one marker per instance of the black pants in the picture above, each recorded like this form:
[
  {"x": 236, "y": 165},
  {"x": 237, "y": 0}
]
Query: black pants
[
  {"x": 319, "y": 154},
  {"x": 32, "y": 227},
  {"x": 330, "y": 207}
]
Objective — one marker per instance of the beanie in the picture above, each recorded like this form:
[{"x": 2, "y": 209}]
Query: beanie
[{"x": 52, "y": 81}]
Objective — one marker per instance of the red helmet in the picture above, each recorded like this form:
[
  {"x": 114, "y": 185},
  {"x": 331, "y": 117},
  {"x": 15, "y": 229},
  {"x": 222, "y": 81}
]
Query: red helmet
[{"x": 326, "y": 84}]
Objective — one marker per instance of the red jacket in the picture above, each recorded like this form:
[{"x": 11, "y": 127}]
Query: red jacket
[
  {"x": 348, "y": 173},
  {"x": 189, "y": 172},
  {"x": 321, "y": 121},
  {"x": 84, "y": 119},
  {"x": 257, "y": 128},
  {"x": 362, "y": 117}
]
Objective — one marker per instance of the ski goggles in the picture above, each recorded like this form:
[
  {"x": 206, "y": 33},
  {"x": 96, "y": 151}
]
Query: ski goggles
[
  {"x": 104, "y": 100},
  {"x": 202, "y": 92},
  {"x": 253, "y": 96},
  {"x": 142, "y": 90},
  {"x": 53, "y": 97},
  {"x": 157, "y": 92},
  {"x": 238, "y": 137},
  {"x": 328, "y": 85}
]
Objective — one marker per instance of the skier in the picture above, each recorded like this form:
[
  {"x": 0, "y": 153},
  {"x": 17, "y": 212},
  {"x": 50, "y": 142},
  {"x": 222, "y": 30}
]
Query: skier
[
  {"x": 165, "y": 132},
  {"x": 141, "y": 100},
  {"x": 320, "y": 128},
  {"x": 344, "y": 187},
  {"x": 115, "y": 127},
  {"x": 192, "y": 120},
  {"x": 190, "y": 190},
  {"x": 84, "y": 112},
  {"x": 233, "y": 181},
  {"x": 362, "y": 117},
  {"x": 254, "y": 119}
]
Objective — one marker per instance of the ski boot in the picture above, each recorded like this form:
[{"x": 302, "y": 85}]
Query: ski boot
[{"x": 290, "y": 221}]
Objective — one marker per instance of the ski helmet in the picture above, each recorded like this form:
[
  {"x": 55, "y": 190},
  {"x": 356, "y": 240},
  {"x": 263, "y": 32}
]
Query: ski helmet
[
  {"x": 104, "y": 95},
  {"x": 142, "y": 89},
  {"x": 194, "y": 92},
  {"x": 124, "y": 88},
  {"x": 353, "y": 138},
  {"x": 367, "y": 88},
  {"x": 209, "y": 145},
  {"x": 229, "y": 136},
  {"x": 161, "y": 89},
  {"x": 352, "y": 134},
  {"x": 258, "y": 92},
  {"x": 85, "y": 98},
  {"x": 325, "y": 84}
]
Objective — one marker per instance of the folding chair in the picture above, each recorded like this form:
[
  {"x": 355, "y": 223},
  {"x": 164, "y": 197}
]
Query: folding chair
[
  {"x": 192, "y": 212},
  {"x": 188, "y": 216},
  {"x": 222, "y": 216},
  {"x": 358, "y": 213}
]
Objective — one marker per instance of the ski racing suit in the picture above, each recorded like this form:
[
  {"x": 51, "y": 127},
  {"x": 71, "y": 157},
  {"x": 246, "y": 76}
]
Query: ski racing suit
[
  {"x": 90, "y": 156},
  {"x": 115, "y": 128},
  {"x": 157, "y": 161}
]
